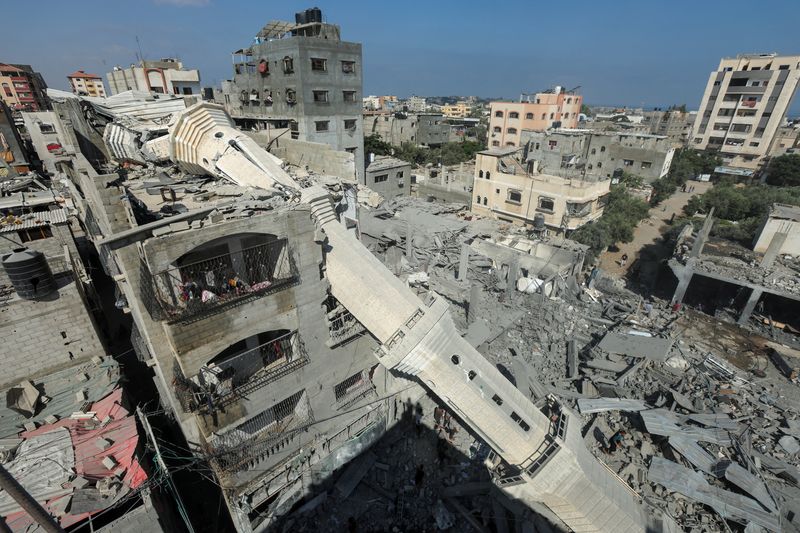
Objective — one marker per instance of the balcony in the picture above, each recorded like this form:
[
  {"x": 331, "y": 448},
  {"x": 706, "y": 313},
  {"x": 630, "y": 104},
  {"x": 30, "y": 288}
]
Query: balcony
[
  {"x": 745, "y": 90},
  {"x": 202, "y": 288},
  {"x": 234, "y": 377},
  {"x": 354, "y": 389},
  {"x": 342, "y": 325},
  {"x": 263, "y": 435}
]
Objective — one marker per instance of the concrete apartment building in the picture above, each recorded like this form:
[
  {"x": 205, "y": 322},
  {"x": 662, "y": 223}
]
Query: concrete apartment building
[
  {"x": 508, "y": 188},
  {"x": 389, "y": 177},
  {"x": 672, "y": 123},
  {"x": 166, "y": 76},
  {"x": 421, "y": 129},
  {"x": 581, "y": 153},
  {"x": 379, "y": 103},
  {"x": 85, "y": 84},
  {"x": 744, "y": 104},
  {"x": 416, "y": 104},
  {"x": 460, "y": 109},
  {"x": 555, "y": 108},
  {"x": 301, "y": 75},
  {"x": 22, "y": 89}
]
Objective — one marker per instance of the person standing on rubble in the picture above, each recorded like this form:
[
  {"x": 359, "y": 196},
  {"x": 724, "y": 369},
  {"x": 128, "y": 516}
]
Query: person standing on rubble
[
  {"x": 615, "y": 441},
  {"x": 623, "y": 260}
]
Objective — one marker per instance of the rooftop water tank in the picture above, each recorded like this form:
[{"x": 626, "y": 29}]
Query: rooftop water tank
[
  {"x": 29, "y": 273},
  {"x": 313, "y": 15},
  {"x": 538, "y": 221}
]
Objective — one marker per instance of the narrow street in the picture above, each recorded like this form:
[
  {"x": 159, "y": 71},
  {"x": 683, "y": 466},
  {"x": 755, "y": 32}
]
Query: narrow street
[{"x": 649, "y": 230}]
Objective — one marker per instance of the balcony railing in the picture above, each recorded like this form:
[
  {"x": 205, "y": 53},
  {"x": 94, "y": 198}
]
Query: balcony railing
[
  {"x": 353, "y": 389},
  {"x": 262, "y": 435},
  {"x": 196, "y": 290},
  {"x": 342, "y": 325},
  {"x": 236, "y": 377}
]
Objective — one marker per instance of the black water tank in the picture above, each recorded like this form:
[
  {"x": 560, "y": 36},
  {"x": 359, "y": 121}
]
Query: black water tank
[
  {"x": 300, "y": 18},
  {"x": 538, "y": 221},
  {"x": 313, "y": 15},
  {"x": 29, "y": 273}
]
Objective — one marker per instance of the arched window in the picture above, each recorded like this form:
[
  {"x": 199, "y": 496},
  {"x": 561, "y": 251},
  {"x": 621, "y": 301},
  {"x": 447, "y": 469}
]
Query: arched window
[
  {"x": 551, "y": 116},
  {"x": 498, "y": 114},
  {"x": 512, "y": 131},
  {"x": 487, "y": 174},
  {"x": 544, "y": 116},
  {"x": 599, "y": 164},
  {"x": 480, "y": 173},
  {"x": 513, "y": 114},
  {"x": 498, "y": 129},
  {"x": 479, "y": 200},
  {"x": 566, "y": 115},
  {"x": 529, "y": 116},
  {"x": 602, "y": 148},
  {"x": 594, "y": 151},
  {"x": 485, "y": 201},
  {"x": 569, "y": 100}
]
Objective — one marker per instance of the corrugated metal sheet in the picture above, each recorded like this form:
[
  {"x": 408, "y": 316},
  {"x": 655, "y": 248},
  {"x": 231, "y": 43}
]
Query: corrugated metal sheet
[
  {"x": 599, "y": 405},
  {"x": 739, "y": 476},
  {"x": 34, "y": 220},
  {"x": 695, "y": 454},
  {"x": 97, "y": 380},
  {"x": 717, "y": 420},
  {"x": 666, "y": 423},
  {"x": 693, "y": 485}
]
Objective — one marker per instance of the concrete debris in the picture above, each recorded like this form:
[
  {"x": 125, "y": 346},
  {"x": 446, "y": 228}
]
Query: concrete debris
[
  {"x": 789, "y": 444},
  {"x": 587, "y": 406}
]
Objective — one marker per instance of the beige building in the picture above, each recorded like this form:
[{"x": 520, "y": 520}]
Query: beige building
[
  {"x": 162, "y": 77},
  {"x": 744, "y": 104},
  {"x": 785, "y": 142},
  {"x": 507, "y": 189},
  {"x": 554, "y": 108},
  {"x": 458, "y": 110},
  {"x": 85, "y": 84},
  {"x": 781, "y": 227}
]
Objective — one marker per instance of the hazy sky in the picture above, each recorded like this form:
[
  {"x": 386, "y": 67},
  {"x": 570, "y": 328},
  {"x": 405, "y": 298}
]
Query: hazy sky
[{"x": 650, "y": 53}]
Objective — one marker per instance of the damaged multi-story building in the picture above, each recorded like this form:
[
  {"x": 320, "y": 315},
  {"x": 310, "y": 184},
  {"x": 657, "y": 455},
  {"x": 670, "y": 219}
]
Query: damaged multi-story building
[
  {"x": 283, "y": 346},
  {"x": 302, "y": 77},
  {"x": 420, "y": 129},
  {"x": 580, "y": 153},
  {"x": 514, "y": 188}
]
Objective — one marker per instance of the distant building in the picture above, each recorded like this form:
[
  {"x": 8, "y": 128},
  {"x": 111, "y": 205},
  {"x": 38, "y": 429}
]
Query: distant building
[
  {"x": 744, "y": 104},
  {"x": 785, "y": 142},
  {"x": 85, "y": 84},
  {"x": 509, "y": 189},
  {"x": 421, "y": 129},
  {"x": 389, "y": 177},
  {"x": 161, "y": 77},
  {"x": 460, "y": 109},
  {"x": 555, "y": 108},
  {"x": 677, "y": 125},
  {"x": 416, "y": 104},
  {"x": 581, "y": 153},
  {"x": 304, "y": 77},
  {"x": 379, "y": 103},
  {"x": 22, "y": 89}
]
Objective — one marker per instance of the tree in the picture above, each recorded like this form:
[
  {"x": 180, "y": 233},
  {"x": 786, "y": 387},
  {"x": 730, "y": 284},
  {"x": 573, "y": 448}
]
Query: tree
[
  {"x": 373, "y": 144},
  {"x": 784, "y": 170},
  {"x": 586, "y": 110}
]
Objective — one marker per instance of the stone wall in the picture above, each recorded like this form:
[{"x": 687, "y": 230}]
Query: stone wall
[{"x": 40, "y": 337}]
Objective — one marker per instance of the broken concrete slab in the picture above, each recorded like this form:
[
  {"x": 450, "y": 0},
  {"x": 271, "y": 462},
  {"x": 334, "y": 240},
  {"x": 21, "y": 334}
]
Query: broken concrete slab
[
  {"x": 354, "y": 473},
  {"x": 654, "y": 348},
  {"x": 599, "y": 405}
]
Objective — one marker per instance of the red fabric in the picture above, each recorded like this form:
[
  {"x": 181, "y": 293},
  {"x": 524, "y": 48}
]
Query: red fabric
[{"x": 124, "y": 437}]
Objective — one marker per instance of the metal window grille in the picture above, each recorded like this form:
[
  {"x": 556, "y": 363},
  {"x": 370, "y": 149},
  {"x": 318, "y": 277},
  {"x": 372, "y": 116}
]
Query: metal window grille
[
  {"x": 205, "y": 287},
  {"x": 353, "y": 389}
]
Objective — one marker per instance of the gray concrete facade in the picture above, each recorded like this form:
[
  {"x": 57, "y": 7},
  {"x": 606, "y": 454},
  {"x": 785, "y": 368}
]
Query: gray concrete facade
[
  {"x": 421, "y": 129},
  {"x": 578, "y": 153},
  {"x": 389, "y": 177},
  {"x": 309, "y": 83}
]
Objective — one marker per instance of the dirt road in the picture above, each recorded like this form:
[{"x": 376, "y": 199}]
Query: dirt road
[{"x": 650, "y": 229}]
